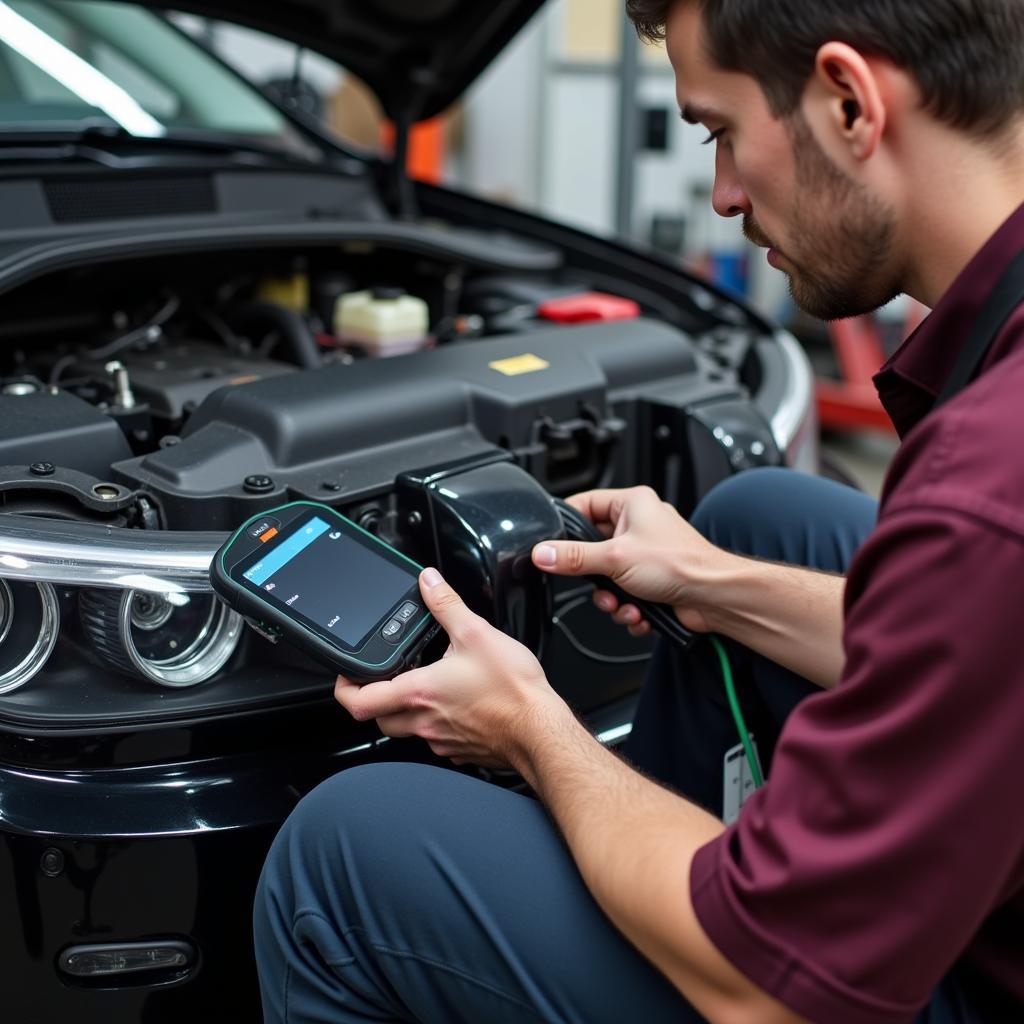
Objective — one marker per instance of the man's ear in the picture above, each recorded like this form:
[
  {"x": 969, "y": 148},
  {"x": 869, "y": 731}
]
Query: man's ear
[{"x": 848, "y": 97}]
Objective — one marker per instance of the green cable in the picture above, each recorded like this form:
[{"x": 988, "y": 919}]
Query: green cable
[{"x": 737, "y": 713}]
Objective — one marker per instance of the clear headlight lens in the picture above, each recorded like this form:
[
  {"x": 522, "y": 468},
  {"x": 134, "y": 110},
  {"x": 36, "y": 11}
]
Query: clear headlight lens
[
  {"x": 29, "y": 621},
  {"x": 173, "y": 639},
  {"x": 144, "y": 600}
]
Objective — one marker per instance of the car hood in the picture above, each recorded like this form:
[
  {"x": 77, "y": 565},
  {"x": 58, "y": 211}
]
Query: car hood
[{"x": 418, "y": 56}]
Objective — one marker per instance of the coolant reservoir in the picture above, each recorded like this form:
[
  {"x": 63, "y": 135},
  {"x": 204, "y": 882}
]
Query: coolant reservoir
[{"x": 383, "y": 321}]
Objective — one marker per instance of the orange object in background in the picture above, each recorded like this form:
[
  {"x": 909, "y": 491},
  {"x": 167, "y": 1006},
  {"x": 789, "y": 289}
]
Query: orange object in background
[
  {"x": 354, "y": 114},
  {"x": 426, "y": 148}
]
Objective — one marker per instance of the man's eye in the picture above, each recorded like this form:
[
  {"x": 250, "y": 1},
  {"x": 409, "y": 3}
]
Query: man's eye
[{"x": 713, "y": 137}]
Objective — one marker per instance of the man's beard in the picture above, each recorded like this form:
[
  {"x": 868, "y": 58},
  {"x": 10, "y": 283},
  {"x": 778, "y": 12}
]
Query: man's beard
[{"x": 844, "y": 234}]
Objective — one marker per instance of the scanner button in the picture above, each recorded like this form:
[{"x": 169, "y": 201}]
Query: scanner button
[
  {"x": 392, "y": 631},
  {"x": 407, "y": 611},
  {"x": 264, "y": 529}
]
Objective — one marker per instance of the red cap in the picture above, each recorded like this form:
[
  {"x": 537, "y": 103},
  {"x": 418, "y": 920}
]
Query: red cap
[{"x": 577, "y": 309}]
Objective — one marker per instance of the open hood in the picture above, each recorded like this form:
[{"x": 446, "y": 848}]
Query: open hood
[{"x": 418, "y": 56}]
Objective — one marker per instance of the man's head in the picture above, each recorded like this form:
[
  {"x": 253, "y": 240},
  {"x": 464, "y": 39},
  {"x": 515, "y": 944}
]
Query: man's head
[{"x": 823, "y": 113}]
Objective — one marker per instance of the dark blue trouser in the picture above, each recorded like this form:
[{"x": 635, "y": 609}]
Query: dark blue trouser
[{"x": 407, "y": 893}]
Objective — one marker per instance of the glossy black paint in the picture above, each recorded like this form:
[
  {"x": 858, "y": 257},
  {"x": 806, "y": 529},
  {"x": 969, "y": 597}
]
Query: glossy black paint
[
  {"x": 194, "y": 888},
  {"x": 484, "y": 519},
  {"x": 172, "y": 853}
]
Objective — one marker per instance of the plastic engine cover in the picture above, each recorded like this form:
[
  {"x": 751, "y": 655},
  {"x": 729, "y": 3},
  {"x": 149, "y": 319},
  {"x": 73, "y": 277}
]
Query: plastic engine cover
[{"x": 570, "y": 403}]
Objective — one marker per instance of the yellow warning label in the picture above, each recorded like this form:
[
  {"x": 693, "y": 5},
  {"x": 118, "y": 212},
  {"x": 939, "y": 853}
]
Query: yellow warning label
[{"x": 526, "y": 363}]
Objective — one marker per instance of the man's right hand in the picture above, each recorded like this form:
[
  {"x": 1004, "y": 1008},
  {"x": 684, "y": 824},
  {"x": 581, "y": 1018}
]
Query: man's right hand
[{"x": 651, "y": 552}]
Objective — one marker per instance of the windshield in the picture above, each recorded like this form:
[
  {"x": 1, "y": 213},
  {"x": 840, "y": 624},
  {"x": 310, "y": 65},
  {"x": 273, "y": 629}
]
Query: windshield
[{"x": 68, "y": 63}]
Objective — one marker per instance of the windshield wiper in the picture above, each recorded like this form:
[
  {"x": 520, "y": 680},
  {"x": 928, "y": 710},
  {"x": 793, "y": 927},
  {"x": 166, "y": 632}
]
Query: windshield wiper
[{"x": 107, "y": 136}]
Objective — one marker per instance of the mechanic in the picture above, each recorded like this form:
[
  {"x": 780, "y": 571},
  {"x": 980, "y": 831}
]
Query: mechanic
[{"x": 875, "y": 148}]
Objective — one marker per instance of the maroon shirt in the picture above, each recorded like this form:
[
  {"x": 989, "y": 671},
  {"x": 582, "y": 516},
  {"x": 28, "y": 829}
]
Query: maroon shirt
[{"x": 888, "y": 847}]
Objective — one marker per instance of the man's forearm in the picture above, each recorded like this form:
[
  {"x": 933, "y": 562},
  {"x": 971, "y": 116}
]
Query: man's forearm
[
  {"x": 790, "y": 615},
  {"x": 633, "y": 842}
]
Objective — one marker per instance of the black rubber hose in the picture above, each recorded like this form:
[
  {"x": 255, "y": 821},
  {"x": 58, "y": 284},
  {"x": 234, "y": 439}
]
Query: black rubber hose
[{"x": 291, "y": 326}]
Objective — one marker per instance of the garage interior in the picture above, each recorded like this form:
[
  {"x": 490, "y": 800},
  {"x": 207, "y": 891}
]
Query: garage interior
[{"x": 433, "y": 331}]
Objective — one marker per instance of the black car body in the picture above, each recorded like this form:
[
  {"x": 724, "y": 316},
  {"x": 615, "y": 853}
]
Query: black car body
[{"x": 160, "y": 382}]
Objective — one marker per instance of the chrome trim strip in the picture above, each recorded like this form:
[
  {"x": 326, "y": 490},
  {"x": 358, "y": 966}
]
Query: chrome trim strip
[
  {"x": 798, "y": 402},
  {"x": 88, "y": 555}
]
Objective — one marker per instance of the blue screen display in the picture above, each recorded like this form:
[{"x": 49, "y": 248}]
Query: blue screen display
[
  {"x": 286, "y": 551},
  {"x": 331, "y": 578}
]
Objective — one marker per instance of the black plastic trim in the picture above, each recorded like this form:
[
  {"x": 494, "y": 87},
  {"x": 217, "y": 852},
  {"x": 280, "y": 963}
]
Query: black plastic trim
[{"x": 484, "y": 252}]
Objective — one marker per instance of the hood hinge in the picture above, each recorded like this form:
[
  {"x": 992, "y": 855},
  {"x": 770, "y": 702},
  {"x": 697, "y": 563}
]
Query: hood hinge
[
  {"x": 403, "y": 197},
  {"x": 402, "y": 188}
]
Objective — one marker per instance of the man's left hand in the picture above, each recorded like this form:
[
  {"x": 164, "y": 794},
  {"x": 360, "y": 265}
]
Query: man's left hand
[{"x": 475, "y": 704}]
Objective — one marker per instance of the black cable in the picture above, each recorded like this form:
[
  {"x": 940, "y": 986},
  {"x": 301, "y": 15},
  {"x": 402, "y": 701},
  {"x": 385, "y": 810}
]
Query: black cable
[
  {"x": 661, "y": 617},
  {"x": 232, "y": 342},
  {"x": 558, "y": 621},
  {"x": 288, "y": 324},
  {"x": 148, "y": 332},
  {"x": 143, "y": 333}
]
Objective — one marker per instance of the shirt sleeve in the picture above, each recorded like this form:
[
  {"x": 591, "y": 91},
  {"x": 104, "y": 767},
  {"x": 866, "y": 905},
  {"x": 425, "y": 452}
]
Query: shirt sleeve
[{"x": 891, "y": 825}]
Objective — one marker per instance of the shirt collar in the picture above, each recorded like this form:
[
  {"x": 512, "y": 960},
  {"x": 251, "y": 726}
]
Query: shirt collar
[{"x": 912, "y": 379}]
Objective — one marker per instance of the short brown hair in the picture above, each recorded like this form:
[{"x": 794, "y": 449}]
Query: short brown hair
[{"x": 966, "y": 55}]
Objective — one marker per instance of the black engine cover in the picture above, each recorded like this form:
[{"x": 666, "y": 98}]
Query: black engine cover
[{"x": 571, "y": 404}]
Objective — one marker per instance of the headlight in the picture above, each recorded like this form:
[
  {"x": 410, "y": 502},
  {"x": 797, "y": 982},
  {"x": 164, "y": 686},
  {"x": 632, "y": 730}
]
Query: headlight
[
  {"x": 174, "y": 639},
  {"x": 29, "y": 619},
  {"x": 144, "y": 600}
]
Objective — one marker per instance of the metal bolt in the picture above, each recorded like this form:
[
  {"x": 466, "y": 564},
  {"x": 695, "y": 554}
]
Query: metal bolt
[
  {"x": 414, "y": 519},
  {"x": 258, "y": 484},
  {"x": 106, "y": 492},
  {"x": 370, "y": 520},
  {"x": 123, "y": 395},
  {"x": 52, "y": 862},
  {"x": 42, "y": 469},
  {"x": 663, "y": 434}
]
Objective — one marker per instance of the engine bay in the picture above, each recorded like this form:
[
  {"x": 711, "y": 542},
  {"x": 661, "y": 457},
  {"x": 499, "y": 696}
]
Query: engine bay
[
  {"x": 149, "y": 404},
  {"x": 120, "y": 365}
]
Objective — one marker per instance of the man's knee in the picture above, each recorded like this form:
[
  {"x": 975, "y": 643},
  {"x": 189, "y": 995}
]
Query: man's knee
[
  {"x": 353, "y": 806},
  {"x": 734, "y": 509},
  {"x": 783, "y": 515},
  {"x": 347, "y": 821}
]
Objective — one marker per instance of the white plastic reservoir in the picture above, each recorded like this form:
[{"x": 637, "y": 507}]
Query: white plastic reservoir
[{"x": 383, "y": 321}]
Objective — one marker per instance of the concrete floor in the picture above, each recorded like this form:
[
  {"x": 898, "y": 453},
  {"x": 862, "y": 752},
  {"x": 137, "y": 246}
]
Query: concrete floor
[{"x": 865, "y": 457}]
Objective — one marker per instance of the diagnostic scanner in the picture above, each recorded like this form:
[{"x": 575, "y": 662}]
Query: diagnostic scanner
[{"x": 305, "y": 574}]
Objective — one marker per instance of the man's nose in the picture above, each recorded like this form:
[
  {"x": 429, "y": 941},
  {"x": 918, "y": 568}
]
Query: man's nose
[{"x": 728, "y": 198}]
